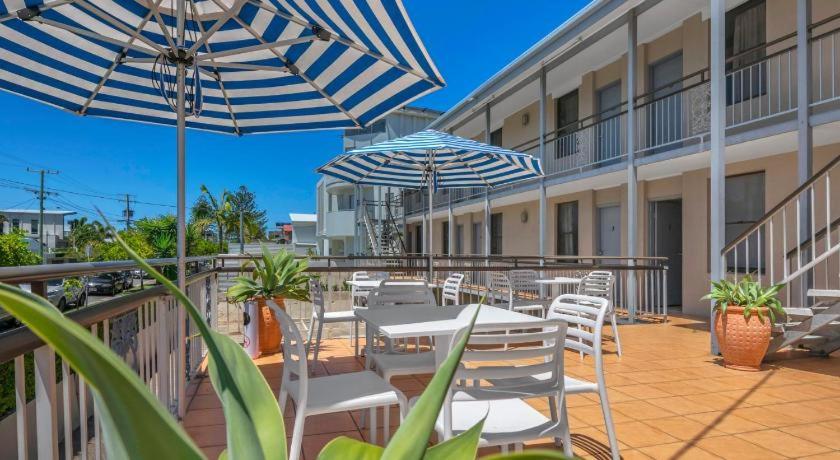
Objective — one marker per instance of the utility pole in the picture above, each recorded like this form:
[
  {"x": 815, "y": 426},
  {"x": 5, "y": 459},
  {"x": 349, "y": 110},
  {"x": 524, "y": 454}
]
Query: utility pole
[
  {"x": 42, "y": 173},
  {"x": 129, "y": 213}
]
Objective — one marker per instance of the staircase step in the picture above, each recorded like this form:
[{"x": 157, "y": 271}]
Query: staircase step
[
  {"x": 833, "y": 293},
  {"x": 799, "y": 312}
]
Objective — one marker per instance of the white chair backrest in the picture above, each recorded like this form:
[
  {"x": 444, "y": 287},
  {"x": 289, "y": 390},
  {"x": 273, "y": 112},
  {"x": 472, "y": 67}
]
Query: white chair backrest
[
  {"x": 598, "y": 284},
  {"x": 500, "y": 291},
  {"x": 502, "y": 356},
  {"x": 401, "y": 295},
  {"x": 403, "y": 282},
  {"x": 452, "y": 289},
  {"x": 357, "y": 291},
  {"x": 316, "y": 296},
  {"x": 524, "y": 284},
  {"x": 294, "y": 350},
  {"x": 585, "y": 316}
]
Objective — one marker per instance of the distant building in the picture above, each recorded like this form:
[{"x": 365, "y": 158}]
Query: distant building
[
  {"x": 282, "y": 233},
  {"x": 27, "y": 220},
  {"x": 303, "y": 233},
  {"x": 341, "y": 223}
]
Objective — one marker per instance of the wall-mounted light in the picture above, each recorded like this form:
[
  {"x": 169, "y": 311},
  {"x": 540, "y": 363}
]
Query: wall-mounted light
[
  {"x": 524, "y": 216},
  {"x": 526, "y": 118}
]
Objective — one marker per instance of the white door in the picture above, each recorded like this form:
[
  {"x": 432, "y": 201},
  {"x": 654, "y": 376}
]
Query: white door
[{"x": 609, "y": 231}]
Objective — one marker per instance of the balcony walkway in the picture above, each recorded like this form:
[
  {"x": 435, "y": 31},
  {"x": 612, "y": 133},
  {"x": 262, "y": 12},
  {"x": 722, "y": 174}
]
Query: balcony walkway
[{"x": 670, "y": 400}]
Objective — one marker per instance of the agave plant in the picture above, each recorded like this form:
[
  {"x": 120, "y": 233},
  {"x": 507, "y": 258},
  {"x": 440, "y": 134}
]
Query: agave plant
[
  {"x": 748, "y": 294},
  {"x": 274, "y": 275}
]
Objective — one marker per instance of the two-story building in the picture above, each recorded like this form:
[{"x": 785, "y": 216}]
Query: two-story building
[
  {"x": 665, "y": 128},
  {"x": 28, "y": 221},
  {"x": 348, "y": 215}
]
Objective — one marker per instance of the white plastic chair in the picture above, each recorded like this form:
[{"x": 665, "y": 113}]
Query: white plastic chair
[
  {"x": 502, "y": 290},
  {"x": 600, "y": 283},
  {"x": 330, "y": 394},
  {"x": 358, "y": 294},
  {"x": 484, "y": 387},
  {"x": 451, "y": 291},
  {"x": 585, "y": 316},
  {"x": 321, "y": 317}
]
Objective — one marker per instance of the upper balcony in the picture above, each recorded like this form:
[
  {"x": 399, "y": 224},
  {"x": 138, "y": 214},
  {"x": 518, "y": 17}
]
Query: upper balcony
[{"x": 674, "y": 120}]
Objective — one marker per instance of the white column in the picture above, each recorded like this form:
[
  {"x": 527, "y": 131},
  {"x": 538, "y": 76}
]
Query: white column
[
  {"x": 451, "y": 226},
  {"x": 181, "y": 240},
  {"x": 718, "y": 145},
  {"x": 632, "y": 191},
  {"x": 803, "y": 92},
  {"x": 487, "y": 211},
  {"x": 357, "y": 246},
  {"x": 543, "y": 198}
]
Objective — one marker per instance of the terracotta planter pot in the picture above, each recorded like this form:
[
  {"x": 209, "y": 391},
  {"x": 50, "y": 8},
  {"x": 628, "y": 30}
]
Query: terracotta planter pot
[
  {"x": 747, "y": 339},
  {"x": 270, "y": 336},
  {"x": 720, "y": 330}
]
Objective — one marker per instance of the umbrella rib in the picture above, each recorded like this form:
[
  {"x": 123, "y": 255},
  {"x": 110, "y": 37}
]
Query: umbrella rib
[
  {"x": 285, "y": 62},
  {"x": 154, "y": 9},
  {"x": 347, "y": 42},
  {"x": 263, "y": 46},
  {"x": 41, "y": 8},
  {"x": 107, "y": 75},
  {"x": 229, "y": 14},
  {"x": 218, "y": 74},
  {"x": 92, "y": 35},
  {"x": 119, "y": 25}
]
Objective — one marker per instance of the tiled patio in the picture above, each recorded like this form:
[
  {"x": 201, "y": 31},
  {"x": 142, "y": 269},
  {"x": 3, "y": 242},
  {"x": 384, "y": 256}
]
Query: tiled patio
[{"x": 670, "y": 400}]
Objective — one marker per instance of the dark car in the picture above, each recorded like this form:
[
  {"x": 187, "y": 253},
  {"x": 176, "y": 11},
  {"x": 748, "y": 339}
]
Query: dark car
[{"x": 106, "y": 284}]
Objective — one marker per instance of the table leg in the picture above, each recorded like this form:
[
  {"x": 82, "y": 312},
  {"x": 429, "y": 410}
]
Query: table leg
[{"x": 442, "y": 344}]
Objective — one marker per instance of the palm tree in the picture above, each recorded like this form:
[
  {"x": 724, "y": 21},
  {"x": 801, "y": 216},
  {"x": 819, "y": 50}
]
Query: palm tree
[
  {"x": 244, "y": 202},
  {"x": 83, "y": 232},
  {"x": 210, "y": 211}
]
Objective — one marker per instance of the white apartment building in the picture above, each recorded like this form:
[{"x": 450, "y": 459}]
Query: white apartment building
[
  {"x": 665, "y": 128},
  {"x": 344, "y": 210},
  {"x": 303, "y": 233},
  {"x": 28, "y": 220}
]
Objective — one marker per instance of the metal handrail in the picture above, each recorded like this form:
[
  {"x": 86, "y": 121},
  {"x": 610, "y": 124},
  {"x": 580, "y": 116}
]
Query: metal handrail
[
  {"x": 27, "y": 273},
  {"x": 782, "y": 203}
]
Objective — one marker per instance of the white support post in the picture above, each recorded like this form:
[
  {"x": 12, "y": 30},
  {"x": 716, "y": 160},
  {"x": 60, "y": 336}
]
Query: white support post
[
  {"x": 805, "y": 154},
  {"x": 487, "y": 211},
  {"x": 21, "y": 414},
  {"x": 181, "y": 77},
  {"x": 543, "y": 197},
  {"x": 632, "y": 189},
  {"x": 450, "y": 227},
  {"x": 718, "y": 146},
  {"x": 46, "y": 404},
  {"x": 357, "y": 240}
]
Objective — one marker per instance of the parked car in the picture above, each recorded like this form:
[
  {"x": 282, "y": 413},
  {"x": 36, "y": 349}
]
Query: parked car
[
  {"x": 128, "y": 279},
  {"x": 106, "y": 284}
]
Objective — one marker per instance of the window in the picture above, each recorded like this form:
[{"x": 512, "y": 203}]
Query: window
[
  {"x": 445, "y": 237},
  {"x": 496, "y": 137},
  {"x": 344, "y": 202},
  {"x": 746, "y": 34},
  {"x": 567, "y": 229},
  {"x": 477, "y": 239},
  {"x": 567, "y": 122},
  {"x": 15, "y": 224},
  {"x": 33, "y": 226},
  {"x": 459, "y": 239},
  {"x": 496, "y": 233},
  {"x": 744, "y": 207},
  {"x": 608, "y": 125}
]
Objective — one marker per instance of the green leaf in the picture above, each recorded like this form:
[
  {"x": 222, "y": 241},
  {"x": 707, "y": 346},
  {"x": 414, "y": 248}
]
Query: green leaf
[
  {"x": 461, "y": 447},
  {"x": 127, "y": 408},
  {"x": 343, "y": 447},
  {"x": 411, "y": 439},
  {"x": 253, "y": 419}
]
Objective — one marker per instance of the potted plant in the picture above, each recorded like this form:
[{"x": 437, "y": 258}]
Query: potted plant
[
  {"x": 277, "y": 277},
  {"x": 740, "y": 312}
]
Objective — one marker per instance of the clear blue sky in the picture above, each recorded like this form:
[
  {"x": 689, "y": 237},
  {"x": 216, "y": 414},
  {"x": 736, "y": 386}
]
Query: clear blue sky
[{"x": 468, "y": 40}]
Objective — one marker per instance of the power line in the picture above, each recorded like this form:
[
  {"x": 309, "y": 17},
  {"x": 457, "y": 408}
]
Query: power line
[{"x": 22, "y": 185}]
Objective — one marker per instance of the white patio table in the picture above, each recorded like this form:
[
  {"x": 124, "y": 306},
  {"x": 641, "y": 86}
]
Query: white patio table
[
  {"x": 441, "y": 323},
  {"x": 559, "y": 281},
  {"x": 370, "y": 284}
]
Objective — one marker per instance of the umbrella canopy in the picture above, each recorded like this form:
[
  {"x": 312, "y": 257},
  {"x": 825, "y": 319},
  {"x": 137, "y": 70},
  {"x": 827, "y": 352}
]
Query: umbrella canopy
[
  {"x": 433, "y": 159},
  {"x": 251, "y": 65},
  {"x": 450, "y": 161}
]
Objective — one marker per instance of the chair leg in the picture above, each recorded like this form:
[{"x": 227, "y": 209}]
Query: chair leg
[
  {"x": 356, "y": 323},
  {"x": 373, "y": 425},
  {"x": 615, "y": 334},
  {"x": 318, "y": 341},
  {"x": 297, "y": 432},
  {"x": 608, "y": 422},
  {"x": 309, "y": 337},
  {"x": 564, "y": 421}
]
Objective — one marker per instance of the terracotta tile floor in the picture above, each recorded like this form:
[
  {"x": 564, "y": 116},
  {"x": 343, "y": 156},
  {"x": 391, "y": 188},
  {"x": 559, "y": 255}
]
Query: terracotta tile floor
[{"x": 670, "y": 400}]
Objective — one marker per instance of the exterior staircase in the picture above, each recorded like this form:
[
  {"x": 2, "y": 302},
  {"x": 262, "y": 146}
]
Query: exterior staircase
[
  {"x": 797, "y": 243},
  {"x": 383, "y": 235}
]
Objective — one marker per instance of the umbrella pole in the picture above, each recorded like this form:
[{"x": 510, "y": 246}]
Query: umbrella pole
[
  {"x": 181, "y": 71},
  {"x": 431, "y": 227}
]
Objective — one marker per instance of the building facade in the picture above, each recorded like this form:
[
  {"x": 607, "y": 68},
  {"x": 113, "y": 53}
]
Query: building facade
[
  {"x": 351, "y": 218},
  {"x": 28, "y": 221},
  {"x": 303, "y": 233},
  {"x": 665, "y": 128}
]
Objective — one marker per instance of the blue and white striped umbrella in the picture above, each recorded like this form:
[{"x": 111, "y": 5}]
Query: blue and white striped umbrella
[
  {"x": 261, "y": 65},
  {"x": 450, "y": 161}
]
